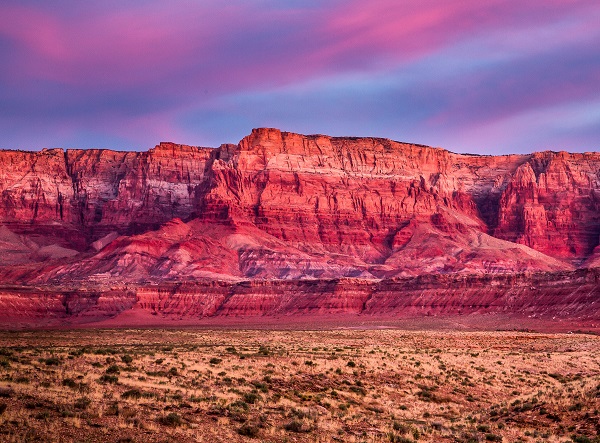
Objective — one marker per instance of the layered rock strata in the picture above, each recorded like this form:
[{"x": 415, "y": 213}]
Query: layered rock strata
[{"x": 287, "y": 209}]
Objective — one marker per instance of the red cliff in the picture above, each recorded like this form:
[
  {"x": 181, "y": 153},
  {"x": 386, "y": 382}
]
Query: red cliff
[{"x": 283, "y": 207}]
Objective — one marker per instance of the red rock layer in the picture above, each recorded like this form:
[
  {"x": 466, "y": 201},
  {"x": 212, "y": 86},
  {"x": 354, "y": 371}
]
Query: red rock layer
[
  {"x": 286, "y": 207},
  {"x": 78, "y": 196},
  {"x": 349, "y": 195},
  {"x": 552, "y": 204},
  {"x": 548, "y": 297}
]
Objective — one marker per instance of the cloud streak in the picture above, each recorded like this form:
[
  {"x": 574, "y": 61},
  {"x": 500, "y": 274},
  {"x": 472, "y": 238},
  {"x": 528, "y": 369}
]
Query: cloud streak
[{"x": 427, "y": 71}]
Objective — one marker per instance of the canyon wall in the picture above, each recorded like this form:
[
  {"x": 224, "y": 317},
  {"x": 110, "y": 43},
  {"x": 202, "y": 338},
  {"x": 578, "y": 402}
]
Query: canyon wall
[{"x": 287, "y": 209}]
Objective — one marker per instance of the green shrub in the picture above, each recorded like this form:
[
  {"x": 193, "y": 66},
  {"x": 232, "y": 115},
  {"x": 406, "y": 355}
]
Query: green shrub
[
  {"x": 171, "y": 419},
  {"x": 248, "y": 430},
  {"x": 262, "y": 387},
  {"x": 107, "y": 378},
  {"x": 296, "y": 426},
  {"x": 82, "y": 403},
  {"x": 263, "y": 350},
  {"x": 132, "y": 393},
  {"x": 113, "y": 369},
  {"x": 52, "y": 361},
  {"x": 6, "y": 352},
  {"x": 69, "y": 382},
  {"x": 251, "y": 397},
  {"x": 400, "y": 427},
  {"x": 238, "y": 405}
]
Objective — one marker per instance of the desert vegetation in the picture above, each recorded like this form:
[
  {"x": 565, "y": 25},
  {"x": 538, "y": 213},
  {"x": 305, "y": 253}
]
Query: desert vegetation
[{"x": 291, "y": 386}]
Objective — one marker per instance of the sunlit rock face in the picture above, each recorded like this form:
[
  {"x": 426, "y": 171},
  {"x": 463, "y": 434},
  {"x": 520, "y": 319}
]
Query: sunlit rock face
[
  {"x": 551, "y": 205},
  {"x": 282, "y": 207}
]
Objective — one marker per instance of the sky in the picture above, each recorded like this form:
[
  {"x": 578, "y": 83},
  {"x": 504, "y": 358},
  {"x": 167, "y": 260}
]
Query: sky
[{"x": 486, "y": 77}]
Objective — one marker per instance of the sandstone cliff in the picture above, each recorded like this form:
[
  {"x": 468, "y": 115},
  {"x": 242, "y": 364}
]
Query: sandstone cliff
[{"x": 286, "y": 207}]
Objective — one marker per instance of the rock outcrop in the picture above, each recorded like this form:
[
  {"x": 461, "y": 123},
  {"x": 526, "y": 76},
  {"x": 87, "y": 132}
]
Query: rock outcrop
[{"x": 291, "y": 212}]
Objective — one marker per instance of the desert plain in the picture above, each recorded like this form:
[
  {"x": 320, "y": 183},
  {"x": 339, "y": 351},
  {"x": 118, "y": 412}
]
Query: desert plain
[{"x": 345, "y": 385}]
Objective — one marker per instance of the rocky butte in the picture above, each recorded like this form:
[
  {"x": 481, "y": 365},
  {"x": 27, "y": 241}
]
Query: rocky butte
[{"x": 285, "y": 228}]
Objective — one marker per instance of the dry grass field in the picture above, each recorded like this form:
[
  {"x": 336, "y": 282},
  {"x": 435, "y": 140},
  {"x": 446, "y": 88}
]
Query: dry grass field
[{"x": 291, "y": 386}]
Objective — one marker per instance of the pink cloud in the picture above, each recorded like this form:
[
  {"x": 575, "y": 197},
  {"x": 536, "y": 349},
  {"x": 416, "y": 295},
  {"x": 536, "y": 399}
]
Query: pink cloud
[
  {"x": 155, "y": 43},
  {"x": 33, "y": 29},
  {"x": 122, "y": 48},
  {"x": 402, "y": 31},
  {"x": 139, "y": 68}
]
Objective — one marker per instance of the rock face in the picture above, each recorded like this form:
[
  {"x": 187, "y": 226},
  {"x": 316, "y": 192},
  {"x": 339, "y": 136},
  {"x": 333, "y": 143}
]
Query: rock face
[
  {"x": 551, "y": 205},
  {"x": 88, "y": 193},
  {"x": 288, "y": 214}
]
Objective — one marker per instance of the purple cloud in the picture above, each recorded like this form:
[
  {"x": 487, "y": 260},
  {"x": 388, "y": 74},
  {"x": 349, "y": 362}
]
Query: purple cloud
[{"x": 428, "y": 71}]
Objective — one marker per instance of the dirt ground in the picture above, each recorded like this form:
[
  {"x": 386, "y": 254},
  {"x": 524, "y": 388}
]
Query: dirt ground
[{"x": 347, "y": 385}]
